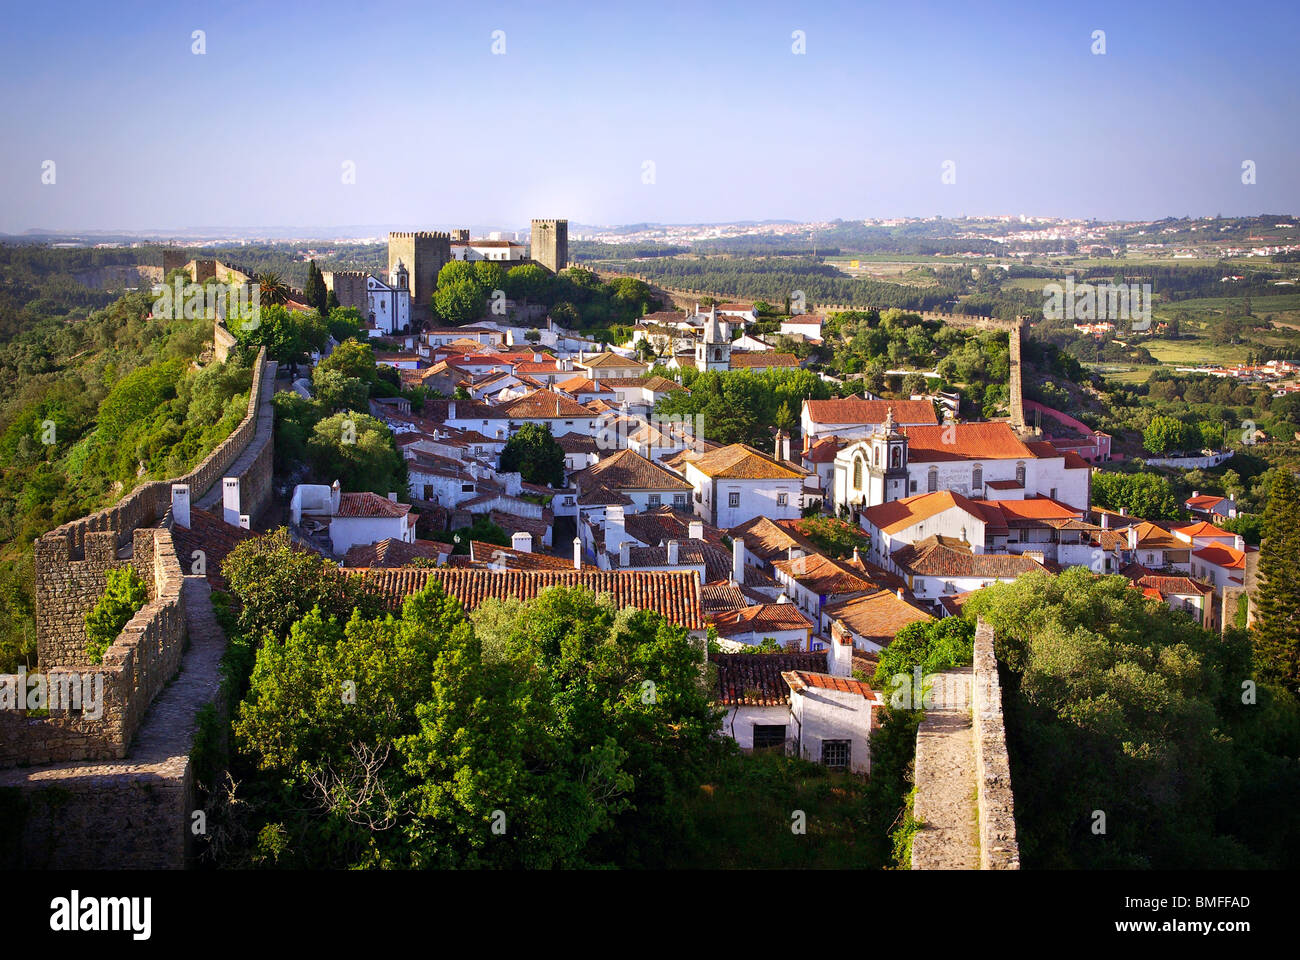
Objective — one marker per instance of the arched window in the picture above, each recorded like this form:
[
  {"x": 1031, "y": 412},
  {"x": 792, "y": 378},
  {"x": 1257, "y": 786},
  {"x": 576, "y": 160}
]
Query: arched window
[
  {"x": 857, "y": 474},
  {"x": 1020, "y": 473},
  {"x": 977, "y": 477},
  {"x": 932, "y": 480},
  {"x": 896, "y": 457}
]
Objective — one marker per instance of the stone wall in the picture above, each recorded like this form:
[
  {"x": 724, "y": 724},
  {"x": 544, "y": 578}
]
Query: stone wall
[
  {"x": 999, "y": 849},
  {"x": 137, "y": 665}
]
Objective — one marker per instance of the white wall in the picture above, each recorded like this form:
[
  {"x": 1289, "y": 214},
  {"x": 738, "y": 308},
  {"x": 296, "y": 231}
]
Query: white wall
[
  {"x": 738, "y": 723},
  {"x": 833, "y": 715}
]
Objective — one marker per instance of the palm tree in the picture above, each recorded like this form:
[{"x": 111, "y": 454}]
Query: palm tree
[{"x": 273, "y": 289}]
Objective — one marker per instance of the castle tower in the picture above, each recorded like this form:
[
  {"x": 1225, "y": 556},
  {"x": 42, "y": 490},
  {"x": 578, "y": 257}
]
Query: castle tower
[
  {"x": 713, "y": 350},
  {"x": 550, "y": 244},
  {"x": 1015, "y": 386},
  {"x": 423, "y": 254}
]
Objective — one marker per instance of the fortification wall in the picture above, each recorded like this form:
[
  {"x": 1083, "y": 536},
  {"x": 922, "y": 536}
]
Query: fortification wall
[
  {"x": 134, "y": 669},
  {"x": 999, "y": 849}
]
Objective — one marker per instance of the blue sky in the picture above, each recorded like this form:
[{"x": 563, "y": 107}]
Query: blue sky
[{"x": 442, "y": 131}]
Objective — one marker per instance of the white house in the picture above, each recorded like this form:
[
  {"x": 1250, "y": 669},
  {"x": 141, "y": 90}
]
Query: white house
[
  {"x": 388, "y": 305},
  {"x": 833, "y": 719},
  {"x": 736, "y": 483}
]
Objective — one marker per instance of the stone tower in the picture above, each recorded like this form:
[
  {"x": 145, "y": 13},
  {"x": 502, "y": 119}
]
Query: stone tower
[
  {"x": 550, "y": 244},
  {"x": 423, "y": 254},
  {"x": 1015, "y": 388}
]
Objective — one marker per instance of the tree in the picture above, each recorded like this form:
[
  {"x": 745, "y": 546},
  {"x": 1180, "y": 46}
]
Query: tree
[
  {"x": 124, "y": 595},
  {"x": 337, "y": 392},
  {"x": 535, "y": 454},
  {"x": 1146, "y": 495},
  {"x": 315, "y": 292},
  {"x": 528, "y": 282},
  {"x": 1277, "y": 629},
  {"x": 358, "y": 451},
  {"x": 459, "y": 301},
  {"x": 1167, "y": 435},
  {"x": 352, "y": 359},
  {"x": 272, "y": 288},
  {"x": 344, "y": 323}
]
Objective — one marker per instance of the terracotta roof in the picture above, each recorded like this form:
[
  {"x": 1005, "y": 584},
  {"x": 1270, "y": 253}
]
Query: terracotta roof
[
  {"x": 1003, "y": 485},
  {"x": 900, "y": 514},
  {"x": 823, "y": 575},
  {"x": 803, "y": 680},
  {"x": 483, "y": 554},
  {"x": 764, "y": 358},
  {"x": 1203, "y": 529},
  {"x": 719, "y": 597},
  {"x": 878, "y": 616},
  {"x": 581, "y": 384},
  {"x": 810, "y": 318},
  {"x": 965, "y": 441},
  {"x": 656, "y": 383},
  {"x": 767, "y": 539},
  {"x": 937, "y": 556},
  {"x": 1222, "y": 556},
  {"x": 1035, "y": 508},
  {"x": 654, "y": 527},
  {"x": 823, "y": 450},
  {"x": 577, "y": 443},
  {"x": 601, "y": 495},
  {"x": 760, "y": 617},
  {"x": 211, "y": 534},
  {"x": 715, "y": 560},
  {"x": 1152, "y": 537},
  {"x": 854, "y": 411},
  {"x": 675, "y": 595},
  {"x": 628, "y": 470},
  {"x": 394, "y": 553},
  {"x": 542, "y": 405},
  {"x": 1172, "y": 586},
  {"x": 739, "y": 461},
  {"x": 755, "y": 679},
  {"x": 609, "y": 360},
  {"x": 367, "y": 504}
]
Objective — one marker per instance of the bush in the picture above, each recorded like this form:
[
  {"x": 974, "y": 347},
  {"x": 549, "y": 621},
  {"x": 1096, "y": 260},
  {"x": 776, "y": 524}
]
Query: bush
[{"x": 124, "y": 595}]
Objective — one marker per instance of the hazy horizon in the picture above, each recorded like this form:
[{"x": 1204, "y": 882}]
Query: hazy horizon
[{"x": 149, "y": 137}]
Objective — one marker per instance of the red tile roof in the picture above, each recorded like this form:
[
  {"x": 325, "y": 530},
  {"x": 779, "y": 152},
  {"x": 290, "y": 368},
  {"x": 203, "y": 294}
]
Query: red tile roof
[
  {"x": 394, "y": 553},
  {"x": 755, "y": 679},
  {"x": 542, "y": 405},
  {"x": 900, "y": 514},
  {"x": 760, "y": 617},
  {"x": 965, "y": 441},
  {"x": 803, "y": 680},
  {"x": 765, "y": 358},
  {"x": 823, "y": 575},
  {"x": 937, "y": 556},
  {"x": 1203, "y": 502},
  {"x": 367, "y": 504},
  {"x": 674, "y": 595},
  {"x": 1222, "y": 556},
  {"x": 628, "y": 470},
  {"x": 852, "y": 411},
  {"x": 739, "y": 461},
  {"x": 878, "y": 616}
]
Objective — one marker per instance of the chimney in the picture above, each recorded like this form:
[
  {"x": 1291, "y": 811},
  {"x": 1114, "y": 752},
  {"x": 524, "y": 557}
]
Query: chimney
[
  {"x": 522, "y": 541},
  {"x": 181, "y": 505},
  {"x": 1238, "y": 543},
  {"x": 625, "y": 554},
  {"x": 900, "y": 595},
  {"x": 1105, "y": 521},
  {"x": 577, "y": 554},
  {"x": 245, "y": 522},
  {"x": 784, "y": 598},
  {"x": 1195, "y": 494},
  {"x": 793, "y": 552},
  {"x": 392, "y": 497},
  {"x": 230, "y": 500},
  {"x": 857, "y": 557},
  {"x": 613, "y": 528},
  {"x": 841, "y": 652},
  {"x": 674, "y": 552},
  {"x": 1123, "y": 511},
  {"x": 1132, "y": 538},
  {"x": 695, "y": 530},
  {"x": 738, "y": 560}
]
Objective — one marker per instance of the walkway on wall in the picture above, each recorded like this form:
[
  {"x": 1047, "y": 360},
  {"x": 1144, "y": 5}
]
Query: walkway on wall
[
  {"x": 211, "y": 500},
  {"x": 945, "y": 781},
  {"x": 133, "y": 813}
]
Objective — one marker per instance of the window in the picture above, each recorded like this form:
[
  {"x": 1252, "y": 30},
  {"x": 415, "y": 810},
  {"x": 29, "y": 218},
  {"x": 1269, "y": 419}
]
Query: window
[
  {"x": 467, "y": 488},
  {"x": 1052, "y": 493},
  {"x": 733, "y": 499},
  {"x": 782, "y": 499},
  {"x": 977, "y": 477},
  {"x": 896, "y": 457},
  {"x": 654, "y": 501},
  {"x": 1020, "y": 473},
  {"x": 769, "y": 736},
  {"x": 835, "y": 754},
  {"x": 912, "y": 487},
  {"x": 679, "y": 501},
  {"x": 932, "y": 480},
  {"x": 857, "y": 474}
]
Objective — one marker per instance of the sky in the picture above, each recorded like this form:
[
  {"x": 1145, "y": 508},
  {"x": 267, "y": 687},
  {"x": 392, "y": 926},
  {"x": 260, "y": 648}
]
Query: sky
[{"x": 624, "y": 112}]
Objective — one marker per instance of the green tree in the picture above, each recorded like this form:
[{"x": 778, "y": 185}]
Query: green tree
[
  {"x": 124, "y": 595},
  {"x": 352, "y": 359},
  {"x": 315, "y": 292},
  {"x": 1277, "y": 629},
  {"x": 1145, "y": 495},
  {"x": 535, "y": 454},
  {"x": 359, "y": 452},
  {"x": 460, "y": 301}
]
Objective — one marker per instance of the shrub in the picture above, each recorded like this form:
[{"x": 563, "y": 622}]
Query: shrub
[{"x": 124, "y": 595}]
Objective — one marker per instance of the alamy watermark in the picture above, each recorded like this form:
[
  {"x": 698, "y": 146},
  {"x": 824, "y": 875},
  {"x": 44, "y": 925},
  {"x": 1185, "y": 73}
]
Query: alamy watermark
[
  {"x": 1087, "y": 301},
  {"x": 82, "y": 692}
]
